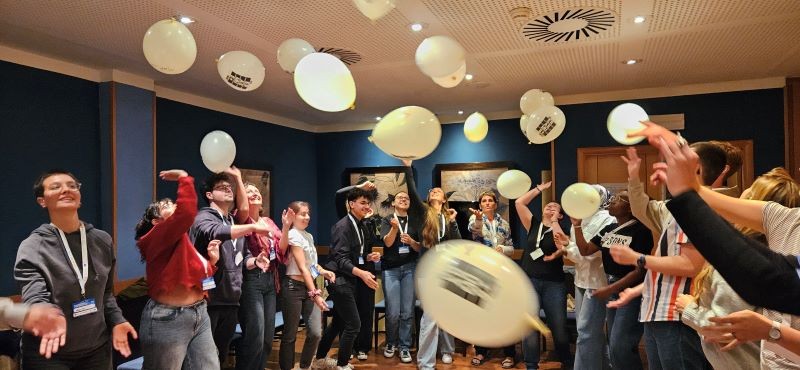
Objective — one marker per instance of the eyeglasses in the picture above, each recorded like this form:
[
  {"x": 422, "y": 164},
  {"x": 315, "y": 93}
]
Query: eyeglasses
[
  {"x": 402, "y": 198},
  {"x": 223, "y": 188},
  {"x": 619, "y": 198},
  {"x": 72, "y": 186}
]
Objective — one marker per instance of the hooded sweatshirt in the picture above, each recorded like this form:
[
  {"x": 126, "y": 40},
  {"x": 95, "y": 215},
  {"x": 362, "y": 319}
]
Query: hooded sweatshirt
[{"x": 44, "y": 274}]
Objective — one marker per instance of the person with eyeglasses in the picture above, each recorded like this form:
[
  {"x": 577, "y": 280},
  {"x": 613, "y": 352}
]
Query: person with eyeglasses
[
  {"x": 175, "y": 327},
  {"x": 401, "y": 239},
  {"x": 68, "y": 264},
  {"x": 218, "y": 222}
]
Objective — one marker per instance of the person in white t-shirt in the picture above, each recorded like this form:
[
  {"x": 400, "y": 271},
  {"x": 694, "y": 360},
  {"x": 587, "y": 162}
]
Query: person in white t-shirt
[{"x": 300, "y": 293}]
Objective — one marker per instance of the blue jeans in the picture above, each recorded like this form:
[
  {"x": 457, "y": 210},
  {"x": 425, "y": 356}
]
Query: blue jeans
[
  {"x": 553, "y": 300},
  {"x": 398, "y": 288},
  {"x": 257, "y": 318},
  {"x": 296, "y": 303},
  {"x": 590, "y": 347},
  {"x": 175, "y": 338},
  {"x": 624, "y": 333},
  {"x": 673, "y": 345}
]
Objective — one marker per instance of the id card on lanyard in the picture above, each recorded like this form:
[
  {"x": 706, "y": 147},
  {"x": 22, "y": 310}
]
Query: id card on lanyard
[
  {"x": 84, "y": 306},
  {"x": 538, "y": 252},
  {"x": 360, "y": 239},
  {"x": 403, "y": 247}
]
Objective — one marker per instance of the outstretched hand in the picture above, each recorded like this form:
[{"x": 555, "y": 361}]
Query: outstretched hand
[
  {"x": 172, "y": 175},
  {"x": 287, "y": 217}
]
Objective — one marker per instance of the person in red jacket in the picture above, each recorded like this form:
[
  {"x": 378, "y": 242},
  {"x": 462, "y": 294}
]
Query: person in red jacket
[{"x": 176, "y": 330}]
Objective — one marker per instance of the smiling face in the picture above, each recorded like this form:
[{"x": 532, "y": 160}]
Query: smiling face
[
  {"x": 302, "y": 218},
  {"x": 360, "y": 207},
  {"x": 253, "y": 196},
  {"x": 436, "y": 194},
  {"x": 61, "y": 192},
  {"x": 401, "y": 201}
]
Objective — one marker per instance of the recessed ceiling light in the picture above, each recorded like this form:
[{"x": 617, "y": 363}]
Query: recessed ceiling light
[
  {"x": 460, "y": 112},
  {"x": 378, "y": 118},
  {"x": 632, "y": 61},
  {"x": 468, "y": 77},
  {"x": 416, "y": 27},
  {"x": 638, "y": 19},
  {"x": 185, "y": 20}
]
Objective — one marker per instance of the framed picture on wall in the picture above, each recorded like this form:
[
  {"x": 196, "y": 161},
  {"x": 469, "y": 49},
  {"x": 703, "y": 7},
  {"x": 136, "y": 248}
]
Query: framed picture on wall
[
  {"x": 262, "y": 179},
  {"x": 388, "y": 180},
  {"x": 462, "y": 183}
]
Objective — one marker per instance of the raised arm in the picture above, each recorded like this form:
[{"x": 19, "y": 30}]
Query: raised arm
[
  {"x": 651, "y": 213},
  {"x": 584, "y": 246},
  {"x": 242, "y": 203},
  {"x": 744, "y": 212},
  {"x": 167, "y": 233},
  {"x": 418, "y": 207},
  {"x": 521, "y": 204}
]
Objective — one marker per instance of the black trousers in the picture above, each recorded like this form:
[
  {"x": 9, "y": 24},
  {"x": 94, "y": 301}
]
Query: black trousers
[
  {"x": 365, "y": 302},
  {"x": 223, "y": 325},
  {"x": 346, "y": 320},
  {"x": 98, "y": 359}
]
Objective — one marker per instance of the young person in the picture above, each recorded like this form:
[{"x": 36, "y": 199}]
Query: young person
[
  {"x": 259, "y": 288},
  {"x": 542, "y": 262},
  {"x": 216, "y": 222},
  {"x": 175, "y": 328},
  {"x": 300, "y": 294},
  {"x": 53, "y": 266},
  {"x": 399, "y": 262}
]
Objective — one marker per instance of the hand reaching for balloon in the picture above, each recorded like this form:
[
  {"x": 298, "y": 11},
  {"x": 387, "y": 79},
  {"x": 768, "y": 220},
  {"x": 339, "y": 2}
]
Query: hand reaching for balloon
[
  {"x": 633, "y": 161},
  {"x": 575, "y": 221},
  {"x": 367, "y": 185},
  {"x": 172, "y": 175},
  {"x": 234, "y": 172},
  {"x": 652, "y": 132},
  {"x": 287, "y": 217},
  {"x": 679, "y": 173},
  {"x": 406, "y": 162},
  {"x": 544, "y": 186}
]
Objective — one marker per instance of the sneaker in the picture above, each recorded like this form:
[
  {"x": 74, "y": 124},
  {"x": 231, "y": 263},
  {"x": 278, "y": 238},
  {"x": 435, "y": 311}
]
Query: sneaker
[
  {"x": 323, "y": 364},
  {"x": 362, "y": 356},
  {"x": 388, "y": 352},
  {"x": 405, "y": 356},
  {"x": 447, "y": 358}
]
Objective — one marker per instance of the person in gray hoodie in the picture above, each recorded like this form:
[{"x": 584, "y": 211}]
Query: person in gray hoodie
[
  {"x": 217, "y": 222},
  {"x": 70, "y": 264}
]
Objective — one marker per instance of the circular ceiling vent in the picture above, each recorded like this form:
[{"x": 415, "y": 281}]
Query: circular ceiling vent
[
  {"x": 566, "y": 25},
  {"x": 349, "y": 57}
]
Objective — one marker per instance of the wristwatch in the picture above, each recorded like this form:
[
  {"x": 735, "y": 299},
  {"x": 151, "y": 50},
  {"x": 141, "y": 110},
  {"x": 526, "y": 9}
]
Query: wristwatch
[
  {"x": 775, "y": 332},
  {"x": 641, "y": 262}
]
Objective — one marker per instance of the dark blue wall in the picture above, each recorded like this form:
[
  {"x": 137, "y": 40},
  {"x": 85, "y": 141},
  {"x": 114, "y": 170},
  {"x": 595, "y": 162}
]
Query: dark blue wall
[
  {"x": 337, "y": 151},
  {"x": 49, "y": 120},
  {"x": 289, "y": 153},
  {"x": 743, "y": 115}
]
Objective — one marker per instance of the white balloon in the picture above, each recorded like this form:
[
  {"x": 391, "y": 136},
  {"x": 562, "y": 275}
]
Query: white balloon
[
  {"x": 512, "y": 184},
  {"x": 534, "y": 99},
  {"x": 324, "y": 82},
  {"x": 374, "y": 9},
  {"x": 545, "y": 124},
  {"x": 218, "y": 151},
  {"x": 439, "y": 56},
  {"x": 476, "y": 127},
  {"x": 291, "y": 51},
  {"x": 580, "y": 200},
  {"x": 477, "y": 294},
  {"x": 169, "y": 47},
  {"x": 452, "y": 80},
  {"x": 410, "y": 132},
  {"x": 523, "y": 123},
  {"x": 623, "y": 119},
  {"x": 241, "y": 70}
]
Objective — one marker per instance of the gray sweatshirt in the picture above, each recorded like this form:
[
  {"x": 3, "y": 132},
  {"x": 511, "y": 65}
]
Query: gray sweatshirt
[
  {"x": 44, "y": 274},
  {"x": 719, "y": 299}
]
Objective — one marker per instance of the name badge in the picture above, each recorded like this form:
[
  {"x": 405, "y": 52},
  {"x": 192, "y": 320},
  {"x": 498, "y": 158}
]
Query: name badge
[
  {"x": 272, "y": 254},
  {"x": 537, "y": 253},
  {"x": 403, "y": 249},
  {"x": 610, "y": 239},
  {"x": 84, "y": 307},
  {"x": 360, "y": 260},
  {"x": 314, "y": 272},
  {"x": 238, "y": 259},
  {"x": 208, "y": 283}
]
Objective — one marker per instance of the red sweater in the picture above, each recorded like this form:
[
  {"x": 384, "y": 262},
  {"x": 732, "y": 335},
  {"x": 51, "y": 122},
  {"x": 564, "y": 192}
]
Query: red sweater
[{"x": 170, "y": 257}]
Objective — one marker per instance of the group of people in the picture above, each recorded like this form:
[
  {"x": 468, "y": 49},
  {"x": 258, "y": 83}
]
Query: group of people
[{"x": 704, "y": 264}]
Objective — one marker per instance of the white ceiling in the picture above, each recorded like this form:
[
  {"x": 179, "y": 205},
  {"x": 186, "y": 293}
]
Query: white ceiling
[{"x": 681, "y": 42}]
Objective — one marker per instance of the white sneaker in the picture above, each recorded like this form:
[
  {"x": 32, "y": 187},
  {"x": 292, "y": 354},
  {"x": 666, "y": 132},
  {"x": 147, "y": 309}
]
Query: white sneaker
[
  {"x": 388, "y": 352},
  {"x": 405, "y": 356},
  {"x": 447, "y": 358},
  {"x": 362, "y": 356}
]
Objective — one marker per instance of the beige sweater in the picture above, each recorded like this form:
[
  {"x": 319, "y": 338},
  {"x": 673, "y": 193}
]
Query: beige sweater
[{"x": 11, "y": 314}]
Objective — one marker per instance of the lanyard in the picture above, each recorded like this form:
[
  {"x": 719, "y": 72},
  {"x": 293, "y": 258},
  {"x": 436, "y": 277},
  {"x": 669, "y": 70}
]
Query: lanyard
[
  {"x": 84, "y": 276},
  {"x": 539, "y": 234},
  {"x": 442, "y": 228},
  {"x": 358, "y": 233},
  {"x": 269, "y": 236},
  {"x": 404, "y": 231}
]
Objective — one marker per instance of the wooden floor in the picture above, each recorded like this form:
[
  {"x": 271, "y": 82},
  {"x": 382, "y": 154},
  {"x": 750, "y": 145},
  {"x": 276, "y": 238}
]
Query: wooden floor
[{"x": 377, "y": 361}]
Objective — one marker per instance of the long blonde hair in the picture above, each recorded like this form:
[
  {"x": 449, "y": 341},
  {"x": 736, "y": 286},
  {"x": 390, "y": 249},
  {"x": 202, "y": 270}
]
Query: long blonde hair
[
  {"x": 430, "y": 231},
  {"x": 774, "y": 186}
]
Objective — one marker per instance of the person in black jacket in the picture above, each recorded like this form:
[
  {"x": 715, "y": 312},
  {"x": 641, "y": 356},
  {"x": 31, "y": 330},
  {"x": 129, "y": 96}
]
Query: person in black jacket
[{"x": 350, "y": 243}]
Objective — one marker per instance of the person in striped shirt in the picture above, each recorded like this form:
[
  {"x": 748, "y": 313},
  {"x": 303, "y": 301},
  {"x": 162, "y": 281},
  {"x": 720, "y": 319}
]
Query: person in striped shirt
[{"x": 669, "y": 343}]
